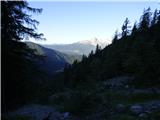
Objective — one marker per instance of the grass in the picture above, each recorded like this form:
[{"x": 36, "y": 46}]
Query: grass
[
  {"x": 118, "y": 96},
  {"x": 124, "y": 117}
]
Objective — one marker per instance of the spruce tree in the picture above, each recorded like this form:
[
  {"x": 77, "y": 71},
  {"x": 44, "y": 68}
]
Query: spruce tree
[
  {"x": 17, "y": 68},
  {"x": 125, "y": 27},
  {"x": 145, "y": 20}
]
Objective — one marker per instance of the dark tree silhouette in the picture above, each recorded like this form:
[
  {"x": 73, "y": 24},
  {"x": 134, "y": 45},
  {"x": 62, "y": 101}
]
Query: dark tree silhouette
[
  {"x": 154, "y": 21},
  {"x": 134, "y": 29},
  {"x": 98, "y": 49},
  {"x": 115, "y": 38},
  {"x": 16, "y": 22},
  {"x": 125, "y": 27},
  {"x": 16, "y": 25},
  {"x": 145, "y": 20}
]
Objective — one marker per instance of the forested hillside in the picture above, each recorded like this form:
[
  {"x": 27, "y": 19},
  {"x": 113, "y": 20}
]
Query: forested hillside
[
  {"x": 120, "y": 81},
  {"x": 134, "y": 53}
]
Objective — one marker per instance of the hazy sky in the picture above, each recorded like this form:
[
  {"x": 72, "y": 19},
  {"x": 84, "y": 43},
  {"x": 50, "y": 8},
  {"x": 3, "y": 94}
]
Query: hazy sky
[{"x": 68, "y": 22}]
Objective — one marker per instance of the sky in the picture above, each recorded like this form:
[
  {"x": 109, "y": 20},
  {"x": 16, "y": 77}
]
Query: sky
[{"x": 68, "y": 22}]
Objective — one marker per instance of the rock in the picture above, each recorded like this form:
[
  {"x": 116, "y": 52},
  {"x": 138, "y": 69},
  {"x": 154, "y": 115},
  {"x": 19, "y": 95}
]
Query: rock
[
  {"x": 136, "y": 109},
  {"x": 39, "y": 112},
  {"x": 143, "y": 116},
  {"x": 126, "y": 86},
  {"x": 66, "y": 115},
  {"x": 151, "y": 106},
  {"x": 120, "y": 108}
]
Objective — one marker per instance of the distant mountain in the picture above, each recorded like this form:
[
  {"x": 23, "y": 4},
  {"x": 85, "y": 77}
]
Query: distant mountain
[
  {"x": 53, "y": 61},
  {"x": 81, "y": 47},
  {"x": 95, "y": 41}
]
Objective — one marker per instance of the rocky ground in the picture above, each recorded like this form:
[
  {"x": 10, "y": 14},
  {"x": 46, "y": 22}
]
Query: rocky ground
[
  {"x": 39, "y": 112},
  {"x": 125, "y": 103}
]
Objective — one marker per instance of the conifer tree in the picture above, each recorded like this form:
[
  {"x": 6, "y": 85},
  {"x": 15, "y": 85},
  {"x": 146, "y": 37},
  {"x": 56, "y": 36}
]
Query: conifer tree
[
  {"x": 154, "y": 20},
  {"x": 134, "y": 29},
  {"x": 115, "y": 38},
  {"x": 125, "y": 27},
  {"x": 145, "y": 20},
  {"x": 17, "y": 25}
]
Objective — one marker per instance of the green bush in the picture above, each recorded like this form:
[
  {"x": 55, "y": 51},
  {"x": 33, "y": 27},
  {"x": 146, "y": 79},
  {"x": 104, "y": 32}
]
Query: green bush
[{"x": 77, "y": 102}]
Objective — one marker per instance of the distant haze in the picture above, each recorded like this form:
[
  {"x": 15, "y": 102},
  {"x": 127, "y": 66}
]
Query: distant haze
[{"x": 80, "y": 47}]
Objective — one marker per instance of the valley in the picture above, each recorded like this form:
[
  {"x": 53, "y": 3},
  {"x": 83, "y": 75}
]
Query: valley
[{"x": 92, "y": 79}]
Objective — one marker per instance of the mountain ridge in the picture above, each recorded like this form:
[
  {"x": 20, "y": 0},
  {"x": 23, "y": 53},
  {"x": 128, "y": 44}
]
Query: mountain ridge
[
  {"x": 80, "y": 47},
  {"x": 53, "y": 61}
]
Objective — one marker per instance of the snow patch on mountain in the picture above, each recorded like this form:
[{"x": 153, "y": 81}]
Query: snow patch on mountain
[{"x": 95, "y": 41}]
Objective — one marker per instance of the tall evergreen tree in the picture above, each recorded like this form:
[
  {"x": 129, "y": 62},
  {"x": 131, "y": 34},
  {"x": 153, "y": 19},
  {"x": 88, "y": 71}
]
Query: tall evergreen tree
[
  {"x": 158, "y": 18},
  {"x": 154, "y": 20},
  {"x": 115, "y": 38},
  {"x": 134, "y": 29},
  {"x": 98, "y": 49},
  {"x": 16, "y": 25},
  {"x": 125, "y": 27},
  {"x": 145, "y": 20}
]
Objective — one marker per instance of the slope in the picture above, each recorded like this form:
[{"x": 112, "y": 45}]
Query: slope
[
  {"x": 52, "y": 61},
  {"x": 119, "y": 82}
]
